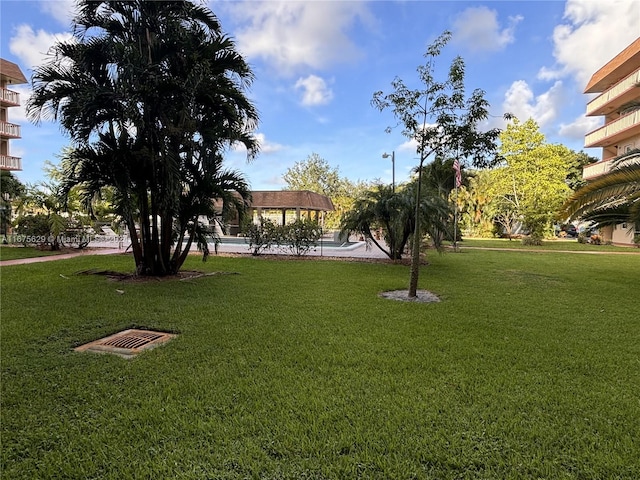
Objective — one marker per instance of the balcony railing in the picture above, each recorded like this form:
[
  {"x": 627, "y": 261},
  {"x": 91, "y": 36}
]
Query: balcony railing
[
  {"x": 9, "y": 130},
  {"x": 596, "y": 169},
  {"x": 625, "y": 85},
  {"x": 10, "y": 97},
  {"x": 609, "y": 133},
  {"x": 7, "y": 162}
]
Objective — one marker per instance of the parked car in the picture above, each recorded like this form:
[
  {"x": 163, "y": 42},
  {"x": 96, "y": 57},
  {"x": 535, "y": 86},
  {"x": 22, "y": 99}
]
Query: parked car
[{"x": 568, "y": 230}]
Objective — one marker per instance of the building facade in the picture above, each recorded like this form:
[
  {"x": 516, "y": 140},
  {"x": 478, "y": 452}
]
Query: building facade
[
  {"x": 618, "y": 87},
  {"x": 10, "y": 74}
]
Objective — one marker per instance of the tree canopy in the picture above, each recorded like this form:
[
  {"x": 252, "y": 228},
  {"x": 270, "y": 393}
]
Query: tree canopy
[
  {"x": 531, "y": 184},
  {"x": 152, "y": 94},
  {"x": 316, "y": 175}
]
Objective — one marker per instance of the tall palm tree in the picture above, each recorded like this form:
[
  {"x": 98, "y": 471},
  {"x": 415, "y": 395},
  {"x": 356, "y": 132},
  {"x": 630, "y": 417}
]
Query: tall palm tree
[
  {"x": 152, "y": 95},
  {"x": 611, "y": 198}
]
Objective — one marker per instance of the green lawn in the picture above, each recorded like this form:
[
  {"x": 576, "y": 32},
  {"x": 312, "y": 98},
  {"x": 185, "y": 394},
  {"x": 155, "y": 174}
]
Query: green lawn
[
  {"x": 15, "y": 252},
  {"x": 528, "y": 368},
  {"x": 560, "y": 244}
]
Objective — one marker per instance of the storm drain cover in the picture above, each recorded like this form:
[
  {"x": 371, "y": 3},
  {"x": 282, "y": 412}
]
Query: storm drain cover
[{"x": 127, "y": 343}]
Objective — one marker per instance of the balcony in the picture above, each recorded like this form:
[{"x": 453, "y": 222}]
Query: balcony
[
  {"x": 610, "y": 134},
  {"x": 9, "y": 130},
  {"x": 623, "y": 92},
  {"x": 9, "y": 98},
  {"x": 596, "y": 169},
  {"x": 8, "y": 162}
]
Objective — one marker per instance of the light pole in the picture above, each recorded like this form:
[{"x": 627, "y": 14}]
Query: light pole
[{"x": 393, "y": 168}]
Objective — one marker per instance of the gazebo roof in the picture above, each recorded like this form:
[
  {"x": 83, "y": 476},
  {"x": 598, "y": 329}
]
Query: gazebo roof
[{"x": 291, "y": 199}]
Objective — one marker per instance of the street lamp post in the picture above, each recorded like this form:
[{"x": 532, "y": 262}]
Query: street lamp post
[{"x": 393, "y": 168}]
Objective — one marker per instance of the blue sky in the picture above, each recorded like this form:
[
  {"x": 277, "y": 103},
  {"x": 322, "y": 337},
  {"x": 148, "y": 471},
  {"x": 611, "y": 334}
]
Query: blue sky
[{"x": 317, "y": 65}]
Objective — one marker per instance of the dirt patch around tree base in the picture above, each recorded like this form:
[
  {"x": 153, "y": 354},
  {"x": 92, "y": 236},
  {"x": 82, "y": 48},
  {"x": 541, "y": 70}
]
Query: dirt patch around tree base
[{"x": 422, "y": 296}]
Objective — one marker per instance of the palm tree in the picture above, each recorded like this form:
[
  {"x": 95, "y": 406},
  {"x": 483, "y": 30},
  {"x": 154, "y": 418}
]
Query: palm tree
[
  {"x": 611, "y": 198},
  {"x": 152, "y": 94},
  {"x": 393, "y": 213}
]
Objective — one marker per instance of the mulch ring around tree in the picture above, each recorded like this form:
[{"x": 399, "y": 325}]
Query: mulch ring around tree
[{"x": 422, "y": 296}]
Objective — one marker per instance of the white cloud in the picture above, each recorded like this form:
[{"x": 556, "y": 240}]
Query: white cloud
[
  {"x": 294, "y": 35},
  {"x": 266, "y": 146},
  {"x": 412, "y": 145},
  {"x": 479, "y": 30},
  {"x": 593, "y": 32},
  {"x": 580, "y": 127},
  {"x": 521, "y": 102},
  {"x": 314, "y": 91},
  {"x": 409, "y": 146},
  {"x": 32, "y": 47},
  {"x": 62, "y": 10}
]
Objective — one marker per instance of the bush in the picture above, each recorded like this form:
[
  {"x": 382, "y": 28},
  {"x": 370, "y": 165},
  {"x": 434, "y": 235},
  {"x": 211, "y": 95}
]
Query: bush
[
  {"x": 262, "y": 236},
  {"x": 298, "y": 237},
  {"x": 532, "y": 240},
  {"x": 301, "y": 236}
]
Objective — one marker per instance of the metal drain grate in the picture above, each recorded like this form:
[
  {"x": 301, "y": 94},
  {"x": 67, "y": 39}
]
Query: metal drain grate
[{"x": 127, "y": 343}]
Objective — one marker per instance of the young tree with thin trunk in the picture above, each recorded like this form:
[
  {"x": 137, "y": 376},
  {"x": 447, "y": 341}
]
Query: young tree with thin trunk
[{"x": 443, "y": 121}]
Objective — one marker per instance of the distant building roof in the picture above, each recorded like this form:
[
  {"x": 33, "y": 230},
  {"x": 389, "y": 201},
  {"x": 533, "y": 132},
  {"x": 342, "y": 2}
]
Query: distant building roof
[
  {"x": 11, "y": 72},
  {"x": 622, "y": 65},
  {"x": 291, "y": 199}
]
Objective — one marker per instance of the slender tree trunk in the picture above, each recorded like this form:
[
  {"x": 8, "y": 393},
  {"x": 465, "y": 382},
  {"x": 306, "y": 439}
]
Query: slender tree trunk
[
  {"x": 415, "y": 251},
  {"x": 147, "y": 266},
  {"x": 185, "y": 253},
  {"x": 135, "y": 241}
]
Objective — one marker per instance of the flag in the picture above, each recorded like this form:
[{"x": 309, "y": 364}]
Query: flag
[{"x": 456, "y": 167}]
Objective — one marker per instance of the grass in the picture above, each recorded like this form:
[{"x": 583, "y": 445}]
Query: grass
[
  {"x": 528, "y": 368},
  {"x": 563, "y": 245},
  {"x": 19, "y": 252}
]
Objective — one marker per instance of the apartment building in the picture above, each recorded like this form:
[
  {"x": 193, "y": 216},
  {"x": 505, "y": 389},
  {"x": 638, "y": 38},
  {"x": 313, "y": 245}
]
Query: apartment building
[
  {"x": 618, "y": 86},
  {"x": 10, "y": 74}
]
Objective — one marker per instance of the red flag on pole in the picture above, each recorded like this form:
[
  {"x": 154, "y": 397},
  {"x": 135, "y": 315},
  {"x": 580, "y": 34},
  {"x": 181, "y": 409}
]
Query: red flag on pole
[{"x": 456, "y": 167}]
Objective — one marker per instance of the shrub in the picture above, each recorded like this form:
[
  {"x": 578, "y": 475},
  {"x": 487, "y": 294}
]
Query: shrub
[
  {"x": 301, "y": 236},
  {"x": 532, "y": 240},
  {"x": 262, "y": 236}
]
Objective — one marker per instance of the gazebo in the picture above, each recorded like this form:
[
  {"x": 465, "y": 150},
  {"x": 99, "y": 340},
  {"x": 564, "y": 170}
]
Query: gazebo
[{"x": 284, "y": 206}]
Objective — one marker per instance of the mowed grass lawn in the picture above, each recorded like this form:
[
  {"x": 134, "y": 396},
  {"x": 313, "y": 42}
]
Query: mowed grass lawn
[
  {"x": 18, "y": 252},
  {"x": 528, "y": 368}
]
